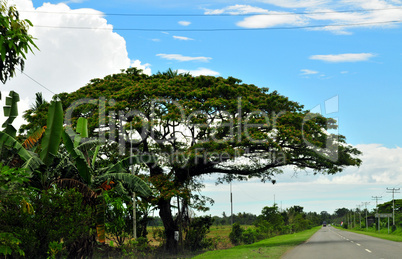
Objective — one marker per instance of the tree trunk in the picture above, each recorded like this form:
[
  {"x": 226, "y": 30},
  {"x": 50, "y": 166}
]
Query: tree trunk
[{"x": 170, "y": 225}]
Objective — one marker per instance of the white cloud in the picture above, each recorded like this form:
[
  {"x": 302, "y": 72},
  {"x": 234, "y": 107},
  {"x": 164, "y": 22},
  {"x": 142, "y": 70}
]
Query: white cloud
[
  {"x": 236, "y": 9},
  {"x": 182, "y": 58},
  {"x": 75, "y": 1},
  {"x": 308, "y": 72},
  {"x": 381, "y": 165},
  {"x": 67, "y": 58},
  {"x": 200, "y": 71},
  {"x": 369, "y": 14},
  {"x": 348, "y": 57},
  {"x": 263, "y": 19},
  {"x": 184, "y": 23},
  {"x": 145, "y": 68},
  {"x": 182, "y": 38},
  {"x": 295, "y": 3},
  {"x": 270, "y": 20},
  {"x": 320, "y": 14}
]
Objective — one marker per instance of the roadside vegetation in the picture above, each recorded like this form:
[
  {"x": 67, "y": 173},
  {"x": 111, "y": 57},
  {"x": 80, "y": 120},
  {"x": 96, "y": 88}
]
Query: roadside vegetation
[{"x": 273, "y": 247}]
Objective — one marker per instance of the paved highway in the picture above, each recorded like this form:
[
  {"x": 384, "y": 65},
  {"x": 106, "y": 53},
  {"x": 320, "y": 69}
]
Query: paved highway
[{"x": 331, "y": 243}]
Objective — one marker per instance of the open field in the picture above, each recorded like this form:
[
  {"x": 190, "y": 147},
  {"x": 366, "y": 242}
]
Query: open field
[
  {"x": 219, "y": 233},
  {"x": 273, "y": 247}
]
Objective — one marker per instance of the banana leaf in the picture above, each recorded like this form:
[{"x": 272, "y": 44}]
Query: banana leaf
[
  {"x": 82, "y": 166},
  {"x": 52, "y": 138}
]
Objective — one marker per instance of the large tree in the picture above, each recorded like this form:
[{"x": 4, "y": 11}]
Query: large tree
[
  {"x": 205, "y": 125},
  {"x": 15, "y": 42}
]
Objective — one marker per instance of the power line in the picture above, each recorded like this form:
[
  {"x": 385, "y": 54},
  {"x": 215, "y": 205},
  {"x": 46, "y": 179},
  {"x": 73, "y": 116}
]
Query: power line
[
  {"x": 36, "y": 82},
  {"x": 215, "y": 14},
  {"x": 220, "y": 29}
]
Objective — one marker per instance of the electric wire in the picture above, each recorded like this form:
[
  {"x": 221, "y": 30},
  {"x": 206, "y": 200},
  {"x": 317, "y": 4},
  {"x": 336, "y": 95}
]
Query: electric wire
[
  {"x": 220, "y": 29},
  {"x": 217, "y": 14},
  {"x": 36, "y": 81}
]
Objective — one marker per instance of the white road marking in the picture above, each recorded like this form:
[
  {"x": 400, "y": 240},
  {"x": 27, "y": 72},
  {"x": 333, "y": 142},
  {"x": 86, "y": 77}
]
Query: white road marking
[
  {"x": 358, "y": 244},
  {"x": 368, "y": 250}
]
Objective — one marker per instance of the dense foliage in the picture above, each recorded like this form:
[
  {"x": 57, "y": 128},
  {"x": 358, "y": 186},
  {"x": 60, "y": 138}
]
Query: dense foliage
[{"x": 43, "y": 217}]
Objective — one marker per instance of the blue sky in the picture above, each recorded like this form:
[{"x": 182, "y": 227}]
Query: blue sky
[{"x": 313, "y": 51}]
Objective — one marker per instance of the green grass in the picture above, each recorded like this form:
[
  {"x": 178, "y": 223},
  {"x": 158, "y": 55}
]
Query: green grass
[
  {"x": 273, "y": 247},
  {"x": 395, "y": 236}
]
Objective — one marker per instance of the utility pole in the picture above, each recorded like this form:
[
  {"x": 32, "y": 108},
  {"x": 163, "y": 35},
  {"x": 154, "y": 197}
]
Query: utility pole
[
  {"x": 365, "y": 204},
  {"x": 360, "y": 214},
  {"x": 231, "y": 204},
  {"x": 393, "y": 190},
  {"x": 134, "y": 194},
  {"x": 376, "y": 198}
]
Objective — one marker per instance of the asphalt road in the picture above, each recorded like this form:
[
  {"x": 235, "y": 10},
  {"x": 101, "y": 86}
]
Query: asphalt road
[{"x": 331, "y": 243}]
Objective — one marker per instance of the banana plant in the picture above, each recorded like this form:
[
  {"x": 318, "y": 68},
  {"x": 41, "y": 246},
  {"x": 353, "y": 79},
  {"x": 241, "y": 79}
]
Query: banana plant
[
  {"x": 84, "y": 156},
  {"x": 7, "y": 136},
  {"x": 11, "y": 111},
  {"x": 84, "y": 161}
]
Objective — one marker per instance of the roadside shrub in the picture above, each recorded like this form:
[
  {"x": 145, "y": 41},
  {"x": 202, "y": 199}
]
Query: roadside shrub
[
  {"x": 265, "y": 229},
  {"x": 196, "y": 236},
  {"x": 260, "y": 235},
  {"x": 249, "y": 236},
  {"x": 235, "y": 235}
]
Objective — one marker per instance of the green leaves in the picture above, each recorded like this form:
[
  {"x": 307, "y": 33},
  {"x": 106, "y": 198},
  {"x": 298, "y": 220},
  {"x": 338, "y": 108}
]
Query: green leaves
[
  {"x": 11, "y": 111},
  {"x": 10, "y": 142},
  {"x": 53, "y": 133},
  {"x": 9, "y": 244},
  {"x": 78, "y": 157},
  {"x": 82, "y": 130},
  {"x": 15, "y": 42}
]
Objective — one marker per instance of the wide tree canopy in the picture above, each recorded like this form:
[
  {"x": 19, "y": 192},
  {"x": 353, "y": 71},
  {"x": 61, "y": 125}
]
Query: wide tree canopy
[{"x": 203, "y": 125}]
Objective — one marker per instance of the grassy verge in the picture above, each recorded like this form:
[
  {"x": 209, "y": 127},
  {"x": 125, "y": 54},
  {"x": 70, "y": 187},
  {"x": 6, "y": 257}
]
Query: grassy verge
[
  {"x": 275, "y": 247},
  {"x": 395, "y": 236}
]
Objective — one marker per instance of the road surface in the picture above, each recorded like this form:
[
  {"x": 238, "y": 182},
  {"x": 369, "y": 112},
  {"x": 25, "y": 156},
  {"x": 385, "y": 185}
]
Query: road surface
[{"x": 332, "y": 243}]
